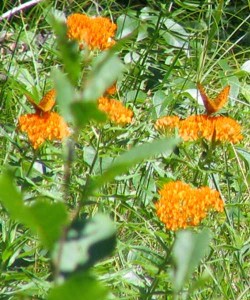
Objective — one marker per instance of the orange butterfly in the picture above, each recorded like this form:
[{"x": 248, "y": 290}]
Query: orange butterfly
[
  {"x": 213, "y": 106},
  {"x": 47, "y": 102}
]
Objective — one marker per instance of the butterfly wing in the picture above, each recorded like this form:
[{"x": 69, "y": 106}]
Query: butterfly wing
[
  {"x": 35, "y": 105},
  {"x": 48, "y": 101},
  {"x": 221, "y": 99},
  {"x": 213, "y": 106},
  {"x": 207, "y": 102}
]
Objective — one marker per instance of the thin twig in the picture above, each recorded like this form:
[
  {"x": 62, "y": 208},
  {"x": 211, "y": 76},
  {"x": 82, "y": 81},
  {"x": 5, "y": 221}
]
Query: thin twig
[{"x": 13, "y": 11}]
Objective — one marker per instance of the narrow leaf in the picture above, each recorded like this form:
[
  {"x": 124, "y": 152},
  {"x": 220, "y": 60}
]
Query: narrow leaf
[
  {"x": 188, "y": 251},
  {"x": 64, "y": 94},
  {"x": 86, "y": 111},
  {"x": 12, "y": 200},
  {"x": 69, "y": 51}
]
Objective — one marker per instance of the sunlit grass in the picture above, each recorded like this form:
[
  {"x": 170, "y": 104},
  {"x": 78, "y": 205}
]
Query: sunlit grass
[{"x": 162, "y": 50}]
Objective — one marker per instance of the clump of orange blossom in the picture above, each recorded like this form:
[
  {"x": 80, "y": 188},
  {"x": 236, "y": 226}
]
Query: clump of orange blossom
[
  {"x": 43, "y": 124},
  {"x": 219, "y": 128},
  {"x": 93, "y": 33},
  {"x": 167, "y": 123},
  {"x": 115, "y": 110},
  {"x": 181, "y": 206}
]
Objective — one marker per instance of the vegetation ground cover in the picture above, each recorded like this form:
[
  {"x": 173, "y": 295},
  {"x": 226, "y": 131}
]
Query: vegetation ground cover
[{"x": 130, "y": 179}]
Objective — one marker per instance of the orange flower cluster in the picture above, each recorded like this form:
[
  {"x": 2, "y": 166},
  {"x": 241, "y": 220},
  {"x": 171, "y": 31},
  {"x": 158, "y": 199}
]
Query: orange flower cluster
[
  {"x": 95, "y": 33},
  {"x": 220, "y": 128},
  {"x": 115, "y": 110},
  {"x": 227, "y": 129},
  {"x": 167, "y": 123},
  {"x": 41, "y": 127},
  {"x": 195, "y": 127},
  {"x": 181, "y": 206}
]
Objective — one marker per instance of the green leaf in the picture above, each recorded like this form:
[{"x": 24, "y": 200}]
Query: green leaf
[
  {"x": 125, "y": 26},
  {"x": 105, "y": 71},
  {"x": 86, "y": 111},
  {"x": 23, "y": 76},
  {"x": 245, "y": 91},
  {"x": 86, "y": 242},
  {"x": 64, "y": 94},
  {"x": 158, "y": 100},
  {"x": 124, "y": 162},
  {"x": 69, "y": 51},
  {"x": 12, "y": 200},
  {"x": 136, "y": 96},
  {"x": 43, "y": 218},
  {"x": 174, "y": 41},
  {"x": 175, "y": 27},
  {"x": 188, "y": 250},
  {"x": 244, "y": 154},
  {"x": 49, "y": 220},
  {"x": 246, "y": 66},
  {"x": 80, "y": 286}
]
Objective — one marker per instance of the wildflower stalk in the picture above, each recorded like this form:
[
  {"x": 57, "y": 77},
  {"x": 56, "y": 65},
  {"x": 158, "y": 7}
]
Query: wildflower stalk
[{"x": 19, "y": 8}]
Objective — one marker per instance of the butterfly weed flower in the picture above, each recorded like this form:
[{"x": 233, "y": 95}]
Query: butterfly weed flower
[
  {"x": 115, "y": 110},
  {"x": 43, "y": 124},
  {"x": 196, "y": 127},
  {"x": 227, "y": 130},
  {"x": 181, "y": 206},
  {"x": 93, "y": 33},
  {"x": 41, "y": 127},
  {"x": 190, "y": 129},
  {"x": 167, "y": 123},
  {"x": 219, "y": 128}
]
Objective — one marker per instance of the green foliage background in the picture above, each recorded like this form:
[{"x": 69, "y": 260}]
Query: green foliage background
[{"x": 62, "y": 198}]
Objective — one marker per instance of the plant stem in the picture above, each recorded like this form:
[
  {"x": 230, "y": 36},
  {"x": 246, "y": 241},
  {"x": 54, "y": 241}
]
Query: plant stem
[{"x": 21, "y": 7}]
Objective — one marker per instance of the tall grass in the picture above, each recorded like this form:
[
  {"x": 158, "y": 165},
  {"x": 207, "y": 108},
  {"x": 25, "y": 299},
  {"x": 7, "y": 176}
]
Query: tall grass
[{"x": 72, "y": 196}]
